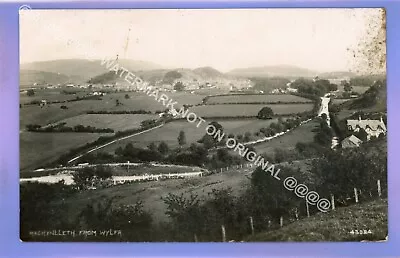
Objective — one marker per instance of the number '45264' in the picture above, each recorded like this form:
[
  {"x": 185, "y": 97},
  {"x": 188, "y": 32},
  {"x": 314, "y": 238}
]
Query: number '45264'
[{"x": 361, "y": 232}]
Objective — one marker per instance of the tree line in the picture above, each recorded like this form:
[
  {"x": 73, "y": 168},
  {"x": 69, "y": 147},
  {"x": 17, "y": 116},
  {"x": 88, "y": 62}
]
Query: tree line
[
  {"x": 62, "y": 128},
  {"x": 194, "y": 217}
]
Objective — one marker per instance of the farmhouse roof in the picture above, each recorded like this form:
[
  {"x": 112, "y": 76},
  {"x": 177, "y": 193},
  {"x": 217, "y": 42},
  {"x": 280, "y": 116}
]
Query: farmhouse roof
[
  {"x": 351, "y": 141},
  {"x": 364, "y": 124}
]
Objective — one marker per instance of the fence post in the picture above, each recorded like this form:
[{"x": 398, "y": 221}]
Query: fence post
[
  {"x": 378, "y": 182},
  {"x": 356, "y": 195},
  {"x": 307, "y": 209},
  {"x": 251, "y": 225},
  {"x": 333, "y": 201},
  {"x": 227, "y": 168},
  {"x": 281, "y": 221},
  {"x": 223, "y": 233},
  {"x": 195, "y": 238}
]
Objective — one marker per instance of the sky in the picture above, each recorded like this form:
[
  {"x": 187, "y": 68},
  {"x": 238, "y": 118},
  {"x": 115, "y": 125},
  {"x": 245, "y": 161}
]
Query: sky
[{"x": 317, "y": 39}]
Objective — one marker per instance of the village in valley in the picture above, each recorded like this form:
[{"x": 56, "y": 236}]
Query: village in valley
[{"x": 99, "y": 152}]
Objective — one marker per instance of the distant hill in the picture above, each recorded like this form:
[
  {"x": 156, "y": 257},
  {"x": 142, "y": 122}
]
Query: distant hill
[
  {"x": 286, "y": 71},
  {"x": 208, "y": 72},
  {"x": 85, "y": 69},
  {"x": 29, "y": 77},
  {"x": 166, "y": 75},
  {"x": 336, "y": 75}
]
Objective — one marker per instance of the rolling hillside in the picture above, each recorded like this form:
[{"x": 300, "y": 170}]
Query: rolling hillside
[
  {"x": 29, "y": 77},
  {"x": 374, "y": 99},
  {"x": 166, "y": 75},
  {"x": 273, "y": 71},
  {"x": 85, "y": 69}
]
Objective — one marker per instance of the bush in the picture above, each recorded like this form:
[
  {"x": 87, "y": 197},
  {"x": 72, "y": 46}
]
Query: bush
[
  {"x": 30, "y": 92},
  {"x": 265, "y": 113}
]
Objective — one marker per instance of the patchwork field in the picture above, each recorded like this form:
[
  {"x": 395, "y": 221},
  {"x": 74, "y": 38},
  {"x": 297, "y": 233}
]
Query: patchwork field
[
  {"x": 214, "y": 91},
  {"x": 49, "y": 95},
  {"x": 248, "y": 110},
  {"x": 52, "y": 113},
  {"x": 302, "y": 133},
  {"x": 169, "y": 132},
  {"x": 250, "y": 98},
  {"x": 118, "y": 122},
  {"x": 39, "y": 148}
]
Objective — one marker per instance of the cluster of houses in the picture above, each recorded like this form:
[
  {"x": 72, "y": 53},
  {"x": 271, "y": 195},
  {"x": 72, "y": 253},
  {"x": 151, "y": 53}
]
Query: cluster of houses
[
  {"x": 284, "y": 91},
  {"x": 373, "y": 128},
  {"x": 196, "y": 84}
]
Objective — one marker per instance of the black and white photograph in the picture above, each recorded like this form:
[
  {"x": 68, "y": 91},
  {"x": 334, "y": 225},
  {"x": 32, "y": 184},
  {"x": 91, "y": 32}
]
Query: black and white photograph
[{"x": 203, "y": 125}]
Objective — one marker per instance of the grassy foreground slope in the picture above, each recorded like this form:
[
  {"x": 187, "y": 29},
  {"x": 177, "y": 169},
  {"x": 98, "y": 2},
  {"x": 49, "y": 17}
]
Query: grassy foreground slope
[{"x": 335, "y": 225}]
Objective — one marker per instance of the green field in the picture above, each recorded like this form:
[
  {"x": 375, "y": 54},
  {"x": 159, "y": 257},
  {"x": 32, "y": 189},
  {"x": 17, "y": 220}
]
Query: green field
[
  {"x": 213, "y": 91},
  {"x": 37, "y": 149},
  {"x": 250, "y": 98},
  {"x": 118, "y": 122},
  {"x": 150, "y": 193},
  {"x": 52, "y": 113},
  {"x": 49, "y": 95},
  {"x": 303, "y": 133},
  {"x": 248, "y": 110},
  {"x": 169, "y": 132}
]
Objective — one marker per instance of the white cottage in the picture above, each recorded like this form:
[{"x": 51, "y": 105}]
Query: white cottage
[{"x": 371, "y": 127}]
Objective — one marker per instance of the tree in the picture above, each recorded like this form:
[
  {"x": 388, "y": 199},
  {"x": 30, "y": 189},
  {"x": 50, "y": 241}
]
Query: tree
[
  {"x": 347, "y": 87},
  {"x": 324, "y": 134},
  {"x": 117, "y": 102},
  {"x": 209, "y": 140},
  {"x": 88, "y": 176},
  {"x": 342, "y": 170},
  {"x": 163, "y": 148},
  {"x": 127, "y": 96},
  {"x": 182, "y": 138},
  {"x": 362, "y": 135},
  {"x": 265, "y": 113},
  {"x": 179, "y": 86},
  {"x": 269, "y": 196},
  {"x": 30, "y": 92},
  {"x": 152, "y": 146},
  {"x": 147, "y": 123},
  {"x": 247, "y": 137}
]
